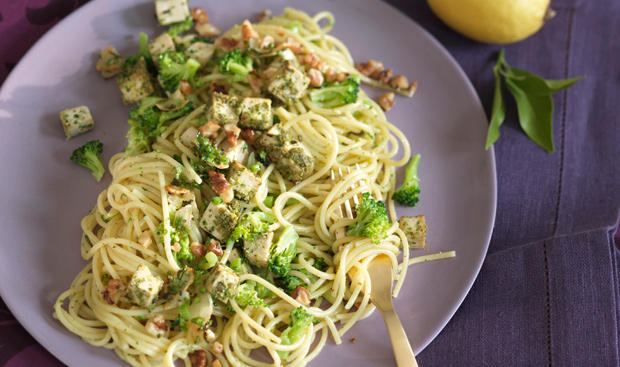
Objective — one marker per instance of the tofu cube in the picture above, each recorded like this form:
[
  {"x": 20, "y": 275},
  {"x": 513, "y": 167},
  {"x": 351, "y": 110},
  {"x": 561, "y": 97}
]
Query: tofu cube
[
  {"x": 272, "y": 142},
  {"x": 200, "y": 51},
  {"x": 238, "y": 153},
  {"x": 135, "y": 82},
  {"x": 110, "y": 62},
  {"x": 224, "y": 109},
  {"x": 288, "y": 84},
  {"x": 219, "y": 220},
  {"x": 160, "y": 45},
  {"x": 257, "y": 249},
  {"x": 76, "y": 121},
  {"x": 143, "y": 286},
  {"x": 415, "y": 229},
  {"x": 222, "y": 282},
  {"x": 255, "y": 113},
  {"x": 296, "y": 162},
  {"x": 171, "y": 11},
  {"x": 189, "y": 136},
  {"x": 242, "y": 181}
]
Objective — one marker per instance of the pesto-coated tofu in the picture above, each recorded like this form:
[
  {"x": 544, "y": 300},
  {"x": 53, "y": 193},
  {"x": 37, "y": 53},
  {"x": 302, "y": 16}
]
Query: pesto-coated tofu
[
  {"x": 219, "y": 220},
  {"x": 239, "y": 152},
  {"x": 160, "y": 45},
  {"x": 200, "y": 51},
  {"x": 76, "y": 120},
  {"x": 415, "y": 230},
  {"x": 255, "y": 113},
  {"x": 143, "y": 286},
  {"x": 222, "y": 282},
  {"x": 224, "y": 109},
  {"x": 289, "y": 83},
  {"x": 243, "y": 182},
  {"x": 272, "y": 141},
  {"x": 257, "y": 249},
  {"x": 171, "y": 11},
  {"x": 135, "y": 82},
  {"x": 110, "y": 63},
  {"x": 296, "y": 162}
]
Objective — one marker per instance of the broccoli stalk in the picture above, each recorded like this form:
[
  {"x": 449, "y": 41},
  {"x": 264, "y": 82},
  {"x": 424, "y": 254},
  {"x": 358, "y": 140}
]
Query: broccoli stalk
[
  {"x": 300, "y": 322},
  {"x": 372, "y": 219},
  {"x": 143, "y": 52},
  {"x": 408, "y": 192},
  {"x": 89, "y": 156},
  {"x": 250, "y": 224},
  {"x": 177, "y": 28},
  {"x": 247, "y": 295},
  {"x": 174, "y": 67},
  {"x": 283, "y": 252},
  {"x": 236, "y": 64},
  {"x": 335, "y": 94}
]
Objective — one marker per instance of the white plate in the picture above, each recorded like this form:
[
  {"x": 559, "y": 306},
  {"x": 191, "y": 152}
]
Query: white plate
[{"x": 45, "y": 195}]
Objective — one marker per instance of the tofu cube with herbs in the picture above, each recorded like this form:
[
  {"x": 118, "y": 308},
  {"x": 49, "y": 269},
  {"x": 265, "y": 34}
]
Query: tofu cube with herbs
[
  {"x": 224, "y": 109},
  {"x": 160, "y": 45},
  {"x": 110, "y": 63},
  {"x": 200, "y": 51},
  {"x": 296, "y": 162},
  {"x": 219, "y": 220},
  {"x": 289, "y": 83},
  {"x": 255, "y": 113},
  {"x": 171, "y": 11},
  {"x": 272, "y": 142},
  {"x": 76, "y": 121},
  {"x": 238, "y": 152},
  {"x": 243, "y": 182},
  {"x": 415, "y": 229},
  {"x": 144, "y": 286},
  {"x": 222, "y": 282},
  {"x": 257, "y": 249},
  {"x": 135, "y": 82}
]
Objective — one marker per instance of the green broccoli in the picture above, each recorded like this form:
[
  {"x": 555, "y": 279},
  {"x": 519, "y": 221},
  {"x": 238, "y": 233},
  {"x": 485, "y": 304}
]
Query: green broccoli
[
  {"x": 183, "y": 317},
  {"x": 283, "y": 252},
  {"x": 247, "y": 295},
  {"x": 372, "y": 219},
  {"x": 290, "y": 282},
  {"x": 320, "y": 264},
  {"x": 300, "y": 322},
  {"x": 336, "y": 94},
  {"x": 177, "y": 28},
  {"x": 174, "y": 67},
  {"x": 179, "y": 234},
  {"x": 236, "y": 63},
  {"x": 89, "y": 156},
  {"x": 142, "y": 52},
  {"x": 251, "y": 224},
  {"x": 208, "y": 155},
  {"x": 408, "y": 192}
]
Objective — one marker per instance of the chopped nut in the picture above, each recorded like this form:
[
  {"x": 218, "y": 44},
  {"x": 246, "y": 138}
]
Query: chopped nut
[
  {"x": 209, "y": 335},
  {"x": 198, "y": 358},
  {"x": 217, "y": 88},
  {"x": 386, "y": 101},
  {"x": 200, "y": 15},
  {"x": 216, "y": 248},
  {"x": 384, "y": 76},
  {"x": 185, "y": 88},
  {"x": 301, "y": 295},
  {"x": 198, "y": 250},
  {"x": 176, "y": 190},
  {"x": 249, "y": 135},
  {"x": 221, "y": 186},
  {"x": 316, "y": 78},
  {"x": 264, "y": 15},
  {"x": 313, "y": 61},
  {"x": 412, "y": 88},
  {"x": 247, "y": 32},
  {"x": 226, "y": 44},
  {"x": 176, "y": 247},
  {"x": 111, "y": 290},
  {"x": 399, "y": 82},
  {"x": 145, "y": 239},
  {"x": 206, "y": 30},
  {"x": 232, "y": 133},
  {"x": 352, "y": 340},
  {"x": 217, "y": 348},
  {"x": 370, "y": 67},
  {"x": 292, "y": 44},
  {"x": 209, "y": 129},
  {"x": 216, "y": 363},
  {"x": 156, "y": 325}
]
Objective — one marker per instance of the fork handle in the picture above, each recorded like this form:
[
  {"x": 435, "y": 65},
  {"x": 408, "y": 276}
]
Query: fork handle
[{"x": 400, "y": 343}]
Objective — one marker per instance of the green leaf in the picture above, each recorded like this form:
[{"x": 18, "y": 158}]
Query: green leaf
[
  {"x": 559, "y": 84},
  {"x": 498, "y": 113},
  {"x": 539, "y": 85},
  {"x": 535, "y": 111}
]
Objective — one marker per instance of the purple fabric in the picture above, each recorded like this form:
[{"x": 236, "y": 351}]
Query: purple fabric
[{"x": 549, "y": 291}]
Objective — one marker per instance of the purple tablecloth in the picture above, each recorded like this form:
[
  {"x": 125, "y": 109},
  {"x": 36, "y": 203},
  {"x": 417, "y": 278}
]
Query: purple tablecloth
[{"x": 548, "y": 293}]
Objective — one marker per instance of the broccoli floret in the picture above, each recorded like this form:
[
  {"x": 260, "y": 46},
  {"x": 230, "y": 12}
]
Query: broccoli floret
[
  {"x": 283, "y": 252},
  {"x": 372, "y": 219},
  {"x": 142, "y": 52},
  {"x": 408, "y": 192},
  {"x": 148, "y": 122},
  {"x": 250, "y": 224},
  {"x": 174, "y": 67},
  {"x": 336, "y": 94},
  {"x": 89, "y": 156},
  {"x": 247, "y": 295},
  {"x": 208, "y": 155},
  {"x": 289, "y": 283},
  {"x": 180, "y": 27},
  {"x": 179, "y": 234},
  {"x": 320, "y": 264},
  {"x": 236, "y": 63},
  {"x": 300, "y": 321}
]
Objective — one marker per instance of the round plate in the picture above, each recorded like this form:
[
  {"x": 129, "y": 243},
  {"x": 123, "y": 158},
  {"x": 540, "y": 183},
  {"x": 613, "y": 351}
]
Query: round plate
[{"x": 46, "y": 195}]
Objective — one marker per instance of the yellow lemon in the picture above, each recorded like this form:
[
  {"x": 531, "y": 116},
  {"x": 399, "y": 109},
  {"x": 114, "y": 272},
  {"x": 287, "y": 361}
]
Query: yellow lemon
[{"x": 493, "y": 21}]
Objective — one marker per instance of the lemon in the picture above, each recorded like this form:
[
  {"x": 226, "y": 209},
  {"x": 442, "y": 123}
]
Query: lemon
[{"x": 493, "y": 21}]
